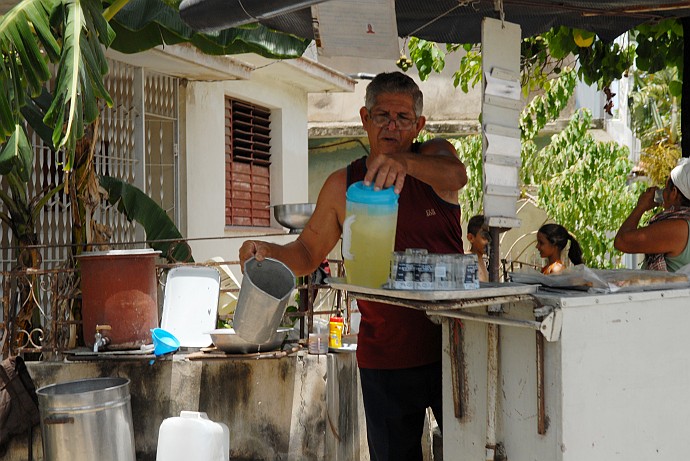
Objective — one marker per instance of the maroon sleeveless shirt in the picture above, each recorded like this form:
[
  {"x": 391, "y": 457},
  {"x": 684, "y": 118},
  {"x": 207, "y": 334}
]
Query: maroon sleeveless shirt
[{"x": 399, "y": 337}]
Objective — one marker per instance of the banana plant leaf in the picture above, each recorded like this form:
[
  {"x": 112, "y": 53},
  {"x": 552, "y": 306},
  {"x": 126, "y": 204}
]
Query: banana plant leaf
[
  {"x": 161, "y": 232},
  {"x": 73, "y": 34},
  {"x": 144, "y": 24},
  {"x": 17, "y": 155},
  {"x": 27, "y": 43},
  {"x": 79, "y": 81},
  {"x": 33, "y": 111}
]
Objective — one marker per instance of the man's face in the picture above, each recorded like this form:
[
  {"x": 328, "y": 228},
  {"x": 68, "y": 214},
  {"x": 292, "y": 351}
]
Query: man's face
[{"x": 383, "y": 123}]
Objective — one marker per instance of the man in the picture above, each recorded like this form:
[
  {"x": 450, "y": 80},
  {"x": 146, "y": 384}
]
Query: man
[{"x": 399, "y": 349}]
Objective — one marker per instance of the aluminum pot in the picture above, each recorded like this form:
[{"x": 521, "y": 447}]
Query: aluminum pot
[
  {"x": 264, "y": 294},
  {"x": 87, "y": 420}
]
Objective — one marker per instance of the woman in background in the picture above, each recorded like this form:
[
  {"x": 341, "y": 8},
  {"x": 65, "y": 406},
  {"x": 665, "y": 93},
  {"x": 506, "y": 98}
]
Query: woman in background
[
  {"x": 666, "y": 239},
  {"x": 551, "y": 241}
]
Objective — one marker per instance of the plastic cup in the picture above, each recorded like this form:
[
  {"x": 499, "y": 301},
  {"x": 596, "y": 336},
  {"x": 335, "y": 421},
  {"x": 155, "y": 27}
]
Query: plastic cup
[{"x": 318, "y": 343}]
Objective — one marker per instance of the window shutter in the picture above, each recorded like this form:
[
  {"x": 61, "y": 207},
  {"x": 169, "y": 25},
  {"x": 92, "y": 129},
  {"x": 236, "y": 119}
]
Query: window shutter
[{"x": 247, "y": 164}]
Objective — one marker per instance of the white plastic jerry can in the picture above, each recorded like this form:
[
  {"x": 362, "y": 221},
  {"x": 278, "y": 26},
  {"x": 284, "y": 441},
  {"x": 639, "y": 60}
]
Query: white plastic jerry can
[{"x": 192, "y": 436}]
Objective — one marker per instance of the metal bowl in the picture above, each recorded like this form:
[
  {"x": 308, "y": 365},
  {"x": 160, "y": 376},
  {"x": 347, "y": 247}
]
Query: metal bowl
[
  {"x": 227, "y": 340},
  {"x": 294, "y": 216}
]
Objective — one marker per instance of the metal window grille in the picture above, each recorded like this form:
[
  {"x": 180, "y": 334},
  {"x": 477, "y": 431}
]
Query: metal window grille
[
  {"x": 116, "y": 155},
  {"x": 247, "y": 164},
  {"x": 162, "y": 141},
  {"x": 137, "y": 141}
]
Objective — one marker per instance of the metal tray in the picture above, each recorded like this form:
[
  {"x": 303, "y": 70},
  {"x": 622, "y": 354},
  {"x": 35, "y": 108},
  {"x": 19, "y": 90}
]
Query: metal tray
[
  {"x": 485, "y": 290},
  {"x": 227, "y": 340},
  {"x": 190, "y": 305}
]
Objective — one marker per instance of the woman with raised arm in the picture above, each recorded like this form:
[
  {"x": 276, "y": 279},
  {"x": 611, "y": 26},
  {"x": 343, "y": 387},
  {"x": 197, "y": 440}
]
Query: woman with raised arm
[{"x": 665, "y": 240}]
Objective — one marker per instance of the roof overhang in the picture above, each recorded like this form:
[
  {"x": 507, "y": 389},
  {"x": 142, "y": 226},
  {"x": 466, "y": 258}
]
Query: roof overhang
[
  {"x": 305, "y": 73},
  {"x": 448, "y": 21},
  {"x": 186, "y": 61}
]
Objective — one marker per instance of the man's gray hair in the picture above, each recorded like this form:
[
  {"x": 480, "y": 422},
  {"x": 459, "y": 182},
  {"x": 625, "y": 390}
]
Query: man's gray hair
[{"x": 394, "y": 82}]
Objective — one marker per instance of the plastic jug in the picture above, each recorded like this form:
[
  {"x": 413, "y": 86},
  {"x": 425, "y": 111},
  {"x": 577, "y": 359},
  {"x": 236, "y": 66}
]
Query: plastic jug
[
  {"x": 369, "y": 234},
  {"x": 192, "y": 436}
]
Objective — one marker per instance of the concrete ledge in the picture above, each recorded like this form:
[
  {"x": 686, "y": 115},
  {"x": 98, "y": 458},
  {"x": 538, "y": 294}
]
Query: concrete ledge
[{"x": 301, "y": 407}]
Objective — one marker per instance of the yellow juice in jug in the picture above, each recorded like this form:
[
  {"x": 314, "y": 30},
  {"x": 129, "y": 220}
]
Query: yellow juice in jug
[{"x": 371, "y": 242}]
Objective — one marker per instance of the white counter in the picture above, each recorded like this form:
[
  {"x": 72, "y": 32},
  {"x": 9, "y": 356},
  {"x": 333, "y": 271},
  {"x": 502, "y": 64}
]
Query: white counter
[{"x": 616, "y": 382}]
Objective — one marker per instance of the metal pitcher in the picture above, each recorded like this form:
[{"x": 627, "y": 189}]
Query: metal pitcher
[{"x": 263, "y": 298}]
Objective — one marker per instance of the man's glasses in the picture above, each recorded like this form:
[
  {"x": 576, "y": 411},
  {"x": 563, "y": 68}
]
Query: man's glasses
[{"x": 401, "y": 123}]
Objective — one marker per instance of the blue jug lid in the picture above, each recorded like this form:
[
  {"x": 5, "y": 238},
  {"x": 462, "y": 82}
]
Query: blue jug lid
[{"x": 360, "y": 193}]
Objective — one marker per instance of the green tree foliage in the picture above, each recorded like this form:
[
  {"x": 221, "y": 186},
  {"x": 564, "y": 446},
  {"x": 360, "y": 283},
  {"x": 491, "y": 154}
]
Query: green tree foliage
[
  {"x": 655, "y": 114},
  {"x": 651, "y": 47},
  {"x": 579, "y": 182},
  {"x": 548, "y": 106},
  {"x": 655, "y": 105},
  {"x": 143, "y": 24},
  {"x": 64, "y": 41},
  {"x": 659, "y": 46},
  {"x": 583, "y": 186}
]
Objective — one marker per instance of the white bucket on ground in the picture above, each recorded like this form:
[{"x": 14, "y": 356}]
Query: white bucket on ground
[{"x": 192, "y": 436}]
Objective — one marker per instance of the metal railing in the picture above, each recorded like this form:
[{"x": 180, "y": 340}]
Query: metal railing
[{"x": 38, "y": 315}]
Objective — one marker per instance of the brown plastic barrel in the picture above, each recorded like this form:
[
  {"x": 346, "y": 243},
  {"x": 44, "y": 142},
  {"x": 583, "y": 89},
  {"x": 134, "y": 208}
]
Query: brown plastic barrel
[{"x": 119, "y": 289}]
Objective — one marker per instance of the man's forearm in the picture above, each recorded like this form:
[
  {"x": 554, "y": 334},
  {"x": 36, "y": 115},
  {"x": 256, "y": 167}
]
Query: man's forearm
[
  {"x": 443, "y": 172},
  {"x": 295, "y": 256}
]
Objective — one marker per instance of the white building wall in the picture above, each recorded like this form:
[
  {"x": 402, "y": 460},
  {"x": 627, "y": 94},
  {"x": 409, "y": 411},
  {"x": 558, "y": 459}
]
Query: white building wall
[
  {"x": 205, "y": 200},
  {"x": 618, "y": 126},
  {"x": 442, "y": 101},
  {"x": 205, "y": 148}
]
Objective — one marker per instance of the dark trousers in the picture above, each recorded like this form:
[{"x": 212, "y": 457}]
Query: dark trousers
[{"x": 395, "y": 403}]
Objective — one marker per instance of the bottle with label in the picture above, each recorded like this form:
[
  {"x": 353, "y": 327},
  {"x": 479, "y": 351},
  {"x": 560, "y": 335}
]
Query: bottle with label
[
  {"x": 335, "y": 336},
  {"x": 369, "y": 234},
  {"x": 424, "y": 271},
  {"x": 402, "y": 271},
  {"x": 471, "y": 279},
  {"x": 444, "y": 274}
]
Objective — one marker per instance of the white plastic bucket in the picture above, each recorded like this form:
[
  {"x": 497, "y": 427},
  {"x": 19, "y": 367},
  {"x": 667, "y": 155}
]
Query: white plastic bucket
[{"x": 192, "y": 436}]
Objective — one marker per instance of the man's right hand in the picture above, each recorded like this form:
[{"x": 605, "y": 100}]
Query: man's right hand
[{"x": 254, "y": 248}]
